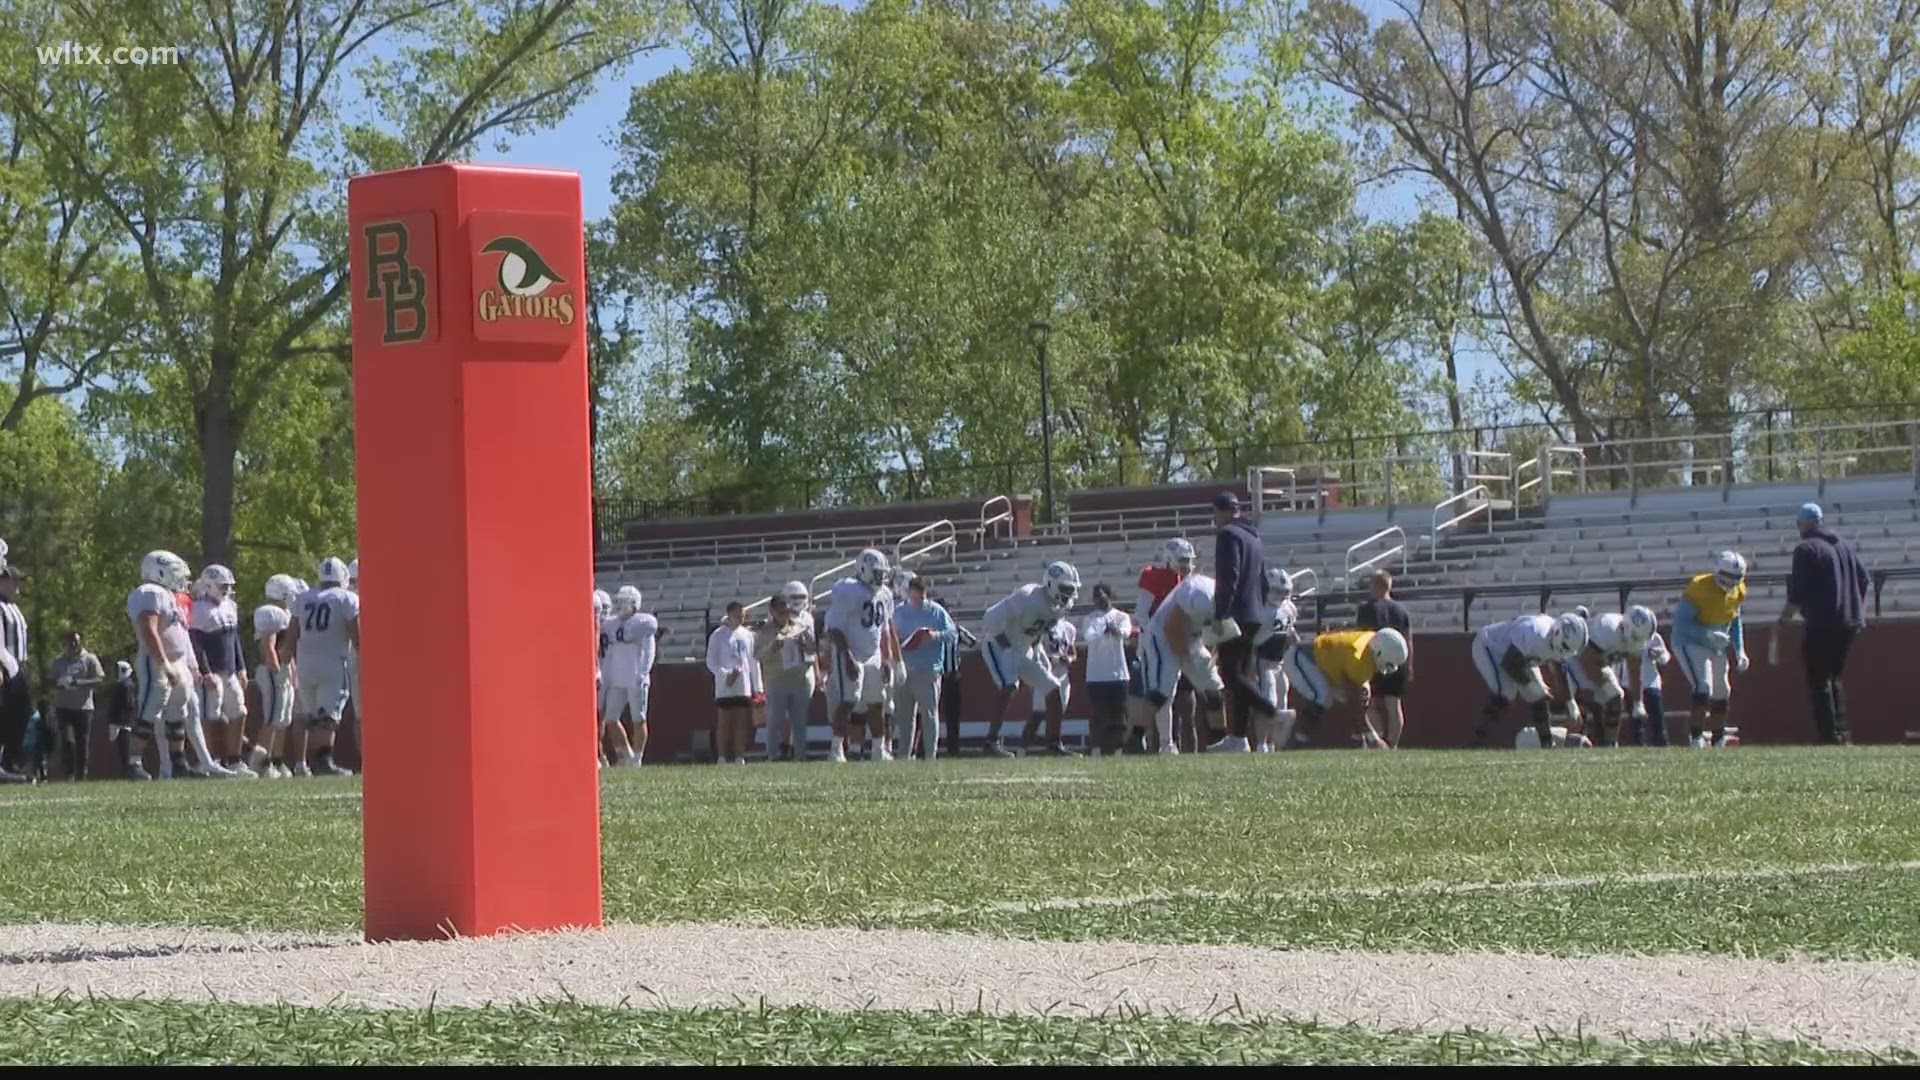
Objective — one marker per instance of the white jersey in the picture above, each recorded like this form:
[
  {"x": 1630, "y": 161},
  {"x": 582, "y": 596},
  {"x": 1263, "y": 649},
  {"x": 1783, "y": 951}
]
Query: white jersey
[
  {"x": 272, "y": 620},
  {"x": 1527, "y": 633},
  {"x": 1194, "y": 595},
  {"x": 324, "y": 617},
  {"x": 1061, "y": 638},
  {"x": 154, "y": 599},
  {"x": 1607, "y": 632},
  {"x": 213, "y": 616},
  {"x": 860, "y": 614},
  {"x": 630, "y": 648},
  {"x": 1278, "y": 621},
  {"x": 1106, "y": 633},
  {"x": 1651, "y": 658},
  {"x": 1024, "y": 615}
]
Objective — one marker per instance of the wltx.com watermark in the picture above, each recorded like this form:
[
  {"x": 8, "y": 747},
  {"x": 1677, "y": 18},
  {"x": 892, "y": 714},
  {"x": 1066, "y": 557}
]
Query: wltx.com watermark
[{"x": 76, "y": 54}]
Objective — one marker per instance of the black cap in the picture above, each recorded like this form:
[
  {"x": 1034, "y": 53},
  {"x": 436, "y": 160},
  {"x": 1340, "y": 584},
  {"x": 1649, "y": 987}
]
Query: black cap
[{"x": 1225, "y": 501}]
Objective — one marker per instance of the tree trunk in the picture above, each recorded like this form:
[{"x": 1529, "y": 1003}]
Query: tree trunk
[{"x": 219, "y": 431}]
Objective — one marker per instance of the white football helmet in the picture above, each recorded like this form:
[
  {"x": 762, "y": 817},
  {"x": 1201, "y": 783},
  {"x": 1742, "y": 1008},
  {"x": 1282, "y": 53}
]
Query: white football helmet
[
  {"x": 1389, "y": 651},
  {"x": 212, "y": 578},
  {"x": 902, "y": 577},
  {"x": 332, "y": 572},
  {"x": 301, "y": 588},
  {"x": 795, "y": 594},
  {"x": 870, "y": 568},
  {"x": 1729, "y": 569},
  {"x": 1062, "y": 583},
  {"x": 353, "y": 575},
  {"x": 1279, "y": 585},
  {"x": 165, "y": 569},
  {"x": 282, "y": 589},
  {"x": 1640, "y": 627},
  {"x": 626, "y": 600},
  {"x": 1568, "y": 636},
  {"x": 602, "y": 604},
  {"x": 1178, "y": 555}
]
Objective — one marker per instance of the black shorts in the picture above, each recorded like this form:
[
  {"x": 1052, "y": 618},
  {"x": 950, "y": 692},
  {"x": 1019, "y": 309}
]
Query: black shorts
[
  {"x": 1183, "y": 686},
  {"x": 1393, "y": 685},
  {"x": 1108, "y": 698},
  {"x": 732, "y": 702}
]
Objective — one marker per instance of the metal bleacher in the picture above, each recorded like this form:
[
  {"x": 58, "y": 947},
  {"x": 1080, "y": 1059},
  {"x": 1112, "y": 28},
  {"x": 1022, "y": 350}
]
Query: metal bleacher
[{"x": 1579, "y": 521}]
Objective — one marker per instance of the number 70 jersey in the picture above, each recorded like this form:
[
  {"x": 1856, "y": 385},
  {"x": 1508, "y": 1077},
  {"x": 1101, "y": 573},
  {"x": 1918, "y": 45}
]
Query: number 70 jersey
[{"x": 324, "y": 615}]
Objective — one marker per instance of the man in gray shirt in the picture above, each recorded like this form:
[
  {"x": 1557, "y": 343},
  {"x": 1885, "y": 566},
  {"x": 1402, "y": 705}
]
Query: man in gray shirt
[{"x": 73, "y": 675}]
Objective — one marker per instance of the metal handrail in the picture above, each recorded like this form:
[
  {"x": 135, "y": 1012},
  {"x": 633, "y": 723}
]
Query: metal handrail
[
  {"x": 1257, "y": 486},
  {"x": 900, "y": 556},
  {"x": 1533, "y": 464},
  {"x": 1485, "y": 507},
  {"x": 1306, "y": 572},
  {"x": 988, "y": 520},
  {"x": 813, "y": 589},
  {"x": 1399, "y": 549}
]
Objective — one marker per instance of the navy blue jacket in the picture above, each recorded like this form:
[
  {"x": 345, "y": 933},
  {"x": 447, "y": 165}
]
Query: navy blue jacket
[
  {"x": 1828, "y": 585},
  {"x": 1239, "y": 575}
]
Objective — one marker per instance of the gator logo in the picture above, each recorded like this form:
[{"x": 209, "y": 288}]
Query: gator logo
[{"x": 527, "y": 286}]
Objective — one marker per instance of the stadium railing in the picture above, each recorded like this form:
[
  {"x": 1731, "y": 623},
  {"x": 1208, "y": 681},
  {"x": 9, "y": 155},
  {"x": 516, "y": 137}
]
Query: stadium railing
[
  {"x": 1754, "y": 449},
  {"x": 1442, "y": 523},
  {"x": 1379, "y": 560}
]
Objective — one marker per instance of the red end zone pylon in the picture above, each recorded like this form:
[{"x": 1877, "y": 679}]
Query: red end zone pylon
[{"x": 482, "y": 799}]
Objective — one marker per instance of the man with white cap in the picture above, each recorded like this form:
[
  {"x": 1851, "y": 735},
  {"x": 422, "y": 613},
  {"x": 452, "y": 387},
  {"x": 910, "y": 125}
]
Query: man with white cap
[{"x": 1828, "y": 589}]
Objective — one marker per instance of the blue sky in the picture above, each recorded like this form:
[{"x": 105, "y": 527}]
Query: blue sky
[{"x": 585, "y": 142}]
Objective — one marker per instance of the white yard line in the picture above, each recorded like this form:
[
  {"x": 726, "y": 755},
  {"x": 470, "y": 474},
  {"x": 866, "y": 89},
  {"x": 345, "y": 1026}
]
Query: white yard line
[
  {"x": 1422, "y": 888},
  {"x": 1872, "y": 1005}
]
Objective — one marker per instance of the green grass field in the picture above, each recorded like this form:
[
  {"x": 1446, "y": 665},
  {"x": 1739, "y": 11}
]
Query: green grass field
[{"x": 1760, "y": 853}]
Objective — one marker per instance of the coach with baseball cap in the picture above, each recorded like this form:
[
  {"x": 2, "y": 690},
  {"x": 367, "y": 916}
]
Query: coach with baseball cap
[
  {"x": 1829, "y": 590},
  {"x": 1239, "y": 598}
]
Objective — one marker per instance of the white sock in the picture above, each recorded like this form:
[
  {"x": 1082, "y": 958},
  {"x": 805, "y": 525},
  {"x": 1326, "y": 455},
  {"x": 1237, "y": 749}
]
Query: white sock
[
  {"x": 1163, "y": 724},
  {"x": 839, "y": 745}
]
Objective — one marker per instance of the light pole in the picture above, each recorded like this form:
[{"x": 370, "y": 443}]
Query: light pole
[{"x": 1039, "y": 330}]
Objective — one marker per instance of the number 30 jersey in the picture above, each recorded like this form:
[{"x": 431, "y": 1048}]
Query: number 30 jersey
[
  {"x": 324, "y": 615},
  {"x": 860, "y": 613}
]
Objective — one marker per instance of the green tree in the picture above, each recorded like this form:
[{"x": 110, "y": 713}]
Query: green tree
[{"x": 224, "y": 173}]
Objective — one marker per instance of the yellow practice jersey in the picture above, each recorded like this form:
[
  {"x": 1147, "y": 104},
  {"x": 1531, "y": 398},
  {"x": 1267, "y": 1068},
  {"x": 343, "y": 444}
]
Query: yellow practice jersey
[
  {"x": 1343, "y": 656},
  {"x": 1713, "y": 605}
]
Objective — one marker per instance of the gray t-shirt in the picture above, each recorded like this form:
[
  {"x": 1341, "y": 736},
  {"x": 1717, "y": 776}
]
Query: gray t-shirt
[{"x": 86, "y": 666}]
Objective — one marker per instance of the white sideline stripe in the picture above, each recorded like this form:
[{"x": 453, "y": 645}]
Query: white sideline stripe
[{"x": 1420, "y": 888}]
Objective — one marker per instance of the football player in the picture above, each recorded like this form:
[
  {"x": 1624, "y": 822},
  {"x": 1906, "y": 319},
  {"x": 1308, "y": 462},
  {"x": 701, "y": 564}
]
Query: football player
[
  {"x": 1277, "y": 634},
  {"x": 865, "y": 650},
  {"x": 1614, "y": 642},
  {"x": 631, "y": 635},
  {"x": 215, "y": 628},
  {"x": 1338, "y": 663},
  {"x": 1175, "y": 561},
  {"x": 163, "y": 681},
  {"x": 1056, "y": 648},
  {"x": 1177, "y": 639},
  {"x": 327, "y": 626},
  {"x": 273, "y": 630},
  {"x": 1708, "y": 637},
  {"x": 1649, "y": 716},
  {"x": 1012, "y": 633},
  {"x": 1510, "y": 655}
]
